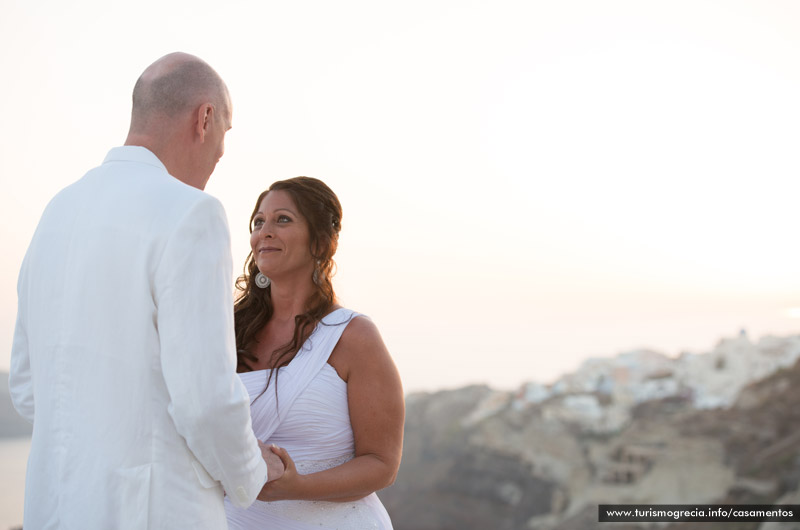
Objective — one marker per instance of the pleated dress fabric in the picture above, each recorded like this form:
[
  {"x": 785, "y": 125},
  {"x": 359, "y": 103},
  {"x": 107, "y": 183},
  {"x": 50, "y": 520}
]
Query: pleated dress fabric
[{"x": 310, "y": 418}]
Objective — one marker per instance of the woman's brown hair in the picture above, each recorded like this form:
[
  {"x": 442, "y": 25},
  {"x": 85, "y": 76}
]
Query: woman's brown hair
[{"x": 322, "y": 211}]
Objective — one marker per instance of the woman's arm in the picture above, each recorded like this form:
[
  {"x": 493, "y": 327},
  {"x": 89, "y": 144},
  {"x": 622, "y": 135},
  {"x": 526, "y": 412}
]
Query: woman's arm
[{"x": 377, "y": 412}]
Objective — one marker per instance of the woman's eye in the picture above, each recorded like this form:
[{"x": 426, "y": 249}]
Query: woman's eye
[
  {"x": 283, "y": 219},
  {"x": 257, "y": 223}
]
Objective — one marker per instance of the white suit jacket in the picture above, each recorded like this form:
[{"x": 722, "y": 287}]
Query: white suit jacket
[{"x": 124, "y": 357}]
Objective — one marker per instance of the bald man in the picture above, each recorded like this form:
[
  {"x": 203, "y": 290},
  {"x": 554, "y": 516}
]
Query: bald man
[{"x": 124, "y": 351}]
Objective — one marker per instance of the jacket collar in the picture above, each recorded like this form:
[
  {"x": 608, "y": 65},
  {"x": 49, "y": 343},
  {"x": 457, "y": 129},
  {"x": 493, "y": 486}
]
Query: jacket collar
[{"x": 134, "y": 153}]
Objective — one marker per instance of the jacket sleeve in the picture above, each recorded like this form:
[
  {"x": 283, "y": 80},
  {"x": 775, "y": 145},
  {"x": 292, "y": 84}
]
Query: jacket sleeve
[
  {"x": 20, "y": 382},
  {"x": 208, "y": 402}
]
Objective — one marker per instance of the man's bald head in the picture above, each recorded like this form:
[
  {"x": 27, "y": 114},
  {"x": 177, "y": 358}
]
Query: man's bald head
[
  {"x": 173, "y": 85},
  {"x": 181, "y": 112}
]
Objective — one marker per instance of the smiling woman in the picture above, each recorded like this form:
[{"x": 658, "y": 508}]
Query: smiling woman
[
  {"x": 280, "y": 236},
  {"x": 339, "y": 406},
  {"x": 294, "y": 233}
]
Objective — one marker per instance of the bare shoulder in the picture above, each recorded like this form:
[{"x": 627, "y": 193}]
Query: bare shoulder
[
  {"x": 360, "y": 346},
  {"x": 361, "y": 332}
]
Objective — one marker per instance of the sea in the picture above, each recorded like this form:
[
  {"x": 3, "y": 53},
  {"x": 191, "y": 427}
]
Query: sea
[{"x": 13, "y": 458}]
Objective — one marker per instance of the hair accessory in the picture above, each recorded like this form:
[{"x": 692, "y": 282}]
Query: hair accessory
[{"x": 262, "y": 281}]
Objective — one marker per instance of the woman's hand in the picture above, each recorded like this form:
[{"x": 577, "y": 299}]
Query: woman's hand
[{"x": 288, "y": 486}]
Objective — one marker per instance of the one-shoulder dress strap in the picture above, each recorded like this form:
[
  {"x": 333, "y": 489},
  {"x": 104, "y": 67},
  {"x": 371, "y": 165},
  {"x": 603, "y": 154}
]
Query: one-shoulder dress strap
[
  {"x": 324, "y": 339},
  {"x": 305, "y": 366}
]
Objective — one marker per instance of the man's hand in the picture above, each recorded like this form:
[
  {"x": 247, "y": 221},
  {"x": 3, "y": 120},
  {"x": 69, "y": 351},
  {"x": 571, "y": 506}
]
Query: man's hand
[{"x": 275, "y": 467}]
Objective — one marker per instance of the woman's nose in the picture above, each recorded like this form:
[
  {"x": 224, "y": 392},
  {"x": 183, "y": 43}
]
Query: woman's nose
[{"x": 264, "y": 231}]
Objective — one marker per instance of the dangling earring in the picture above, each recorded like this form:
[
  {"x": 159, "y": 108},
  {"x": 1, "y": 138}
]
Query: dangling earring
[
  {"x": 315, "y": 275},
  {"x": 262, "y": 281}
]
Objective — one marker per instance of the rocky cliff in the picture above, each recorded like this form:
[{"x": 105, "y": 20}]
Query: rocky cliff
[{"x": 545, "y": 457}]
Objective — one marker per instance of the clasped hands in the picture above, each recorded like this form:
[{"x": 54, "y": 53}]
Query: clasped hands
[{"x": 280, "y": 467}]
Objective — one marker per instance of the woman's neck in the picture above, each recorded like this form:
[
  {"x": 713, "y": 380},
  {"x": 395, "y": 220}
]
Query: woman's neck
[{"x": 289, "y": 298}]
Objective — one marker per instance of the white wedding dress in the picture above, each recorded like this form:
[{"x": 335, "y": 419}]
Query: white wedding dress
[{"x": 312, "y": 422}]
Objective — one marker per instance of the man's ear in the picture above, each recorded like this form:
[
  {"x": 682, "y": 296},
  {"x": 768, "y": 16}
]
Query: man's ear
[{"x": 205, "y": 112}]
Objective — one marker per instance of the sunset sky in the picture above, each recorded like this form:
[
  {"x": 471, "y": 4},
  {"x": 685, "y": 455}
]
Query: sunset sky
[{"x": 525, "y": 183}]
